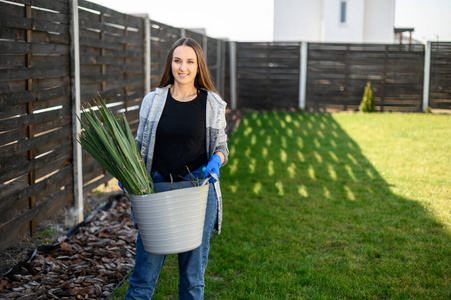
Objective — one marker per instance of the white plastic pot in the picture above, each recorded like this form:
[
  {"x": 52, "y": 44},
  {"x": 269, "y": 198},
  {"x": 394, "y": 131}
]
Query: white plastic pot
[{"x": 171, "y": 221}]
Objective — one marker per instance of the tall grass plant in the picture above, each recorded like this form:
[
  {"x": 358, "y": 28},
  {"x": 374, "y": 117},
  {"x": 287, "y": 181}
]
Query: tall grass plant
[{"x": 113, "y": 146}]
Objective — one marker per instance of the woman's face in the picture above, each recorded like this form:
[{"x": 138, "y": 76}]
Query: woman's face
[{"x": 184, "y": 65}]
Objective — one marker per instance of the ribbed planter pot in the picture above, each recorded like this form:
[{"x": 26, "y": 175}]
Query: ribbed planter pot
[{"x": 171, "y": 221}]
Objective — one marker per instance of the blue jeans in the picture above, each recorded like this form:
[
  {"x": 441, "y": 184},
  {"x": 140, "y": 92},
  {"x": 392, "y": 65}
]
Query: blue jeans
[{"x": 192, "y": 264}]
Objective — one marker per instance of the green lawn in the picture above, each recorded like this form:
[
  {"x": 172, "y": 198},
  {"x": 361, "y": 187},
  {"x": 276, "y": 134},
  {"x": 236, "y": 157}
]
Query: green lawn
[{"x": 348, "y": 206}]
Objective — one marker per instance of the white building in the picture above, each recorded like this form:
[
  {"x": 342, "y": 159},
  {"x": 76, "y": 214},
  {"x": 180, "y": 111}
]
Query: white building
[{"x": 344, "y": 21}]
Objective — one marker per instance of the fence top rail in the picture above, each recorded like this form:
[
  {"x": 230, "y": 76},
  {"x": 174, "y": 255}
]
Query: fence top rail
[
  {"x": 56, "y": 5},
  {"x": 366, "y": 47},
  {"x": 442, "y": 42},
  {"x": 102, "y": 9},
  {"x": 261, "y": 43},
  {"x": 160, "y": 26}
]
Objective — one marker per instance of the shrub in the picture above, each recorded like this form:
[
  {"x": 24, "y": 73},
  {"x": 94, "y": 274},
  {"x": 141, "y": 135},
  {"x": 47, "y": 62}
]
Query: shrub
[{"x": 367, "y": 104}]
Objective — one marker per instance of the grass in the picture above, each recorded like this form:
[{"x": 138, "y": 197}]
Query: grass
[
  {"x": 350, "y": 206},
  {"x": 46, "y": 236}
]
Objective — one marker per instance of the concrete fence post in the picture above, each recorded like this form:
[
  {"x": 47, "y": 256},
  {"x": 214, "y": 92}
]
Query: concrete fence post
[
  {"x": 427, "y": 74},
  {"x": 303, "y": 74},
  {"x": 233, "y": 75},
  {"x": 75, "y": 215},
  {"x": 182, "y": 32}
]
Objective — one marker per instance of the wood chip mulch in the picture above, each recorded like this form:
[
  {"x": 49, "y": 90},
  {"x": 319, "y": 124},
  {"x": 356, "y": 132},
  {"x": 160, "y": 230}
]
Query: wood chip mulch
[{"x": 88, "y": 266}]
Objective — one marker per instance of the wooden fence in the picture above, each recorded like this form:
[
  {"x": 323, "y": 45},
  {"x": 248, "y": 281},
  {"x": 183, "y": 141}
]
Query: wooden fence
[
  {"x": 38, "y": 96},
  {"x": 440, "y": 75},
  {"x": 270, "y": 76},
  {"x": 337, "y": 75},
  {"x": 36, "y": 114}
]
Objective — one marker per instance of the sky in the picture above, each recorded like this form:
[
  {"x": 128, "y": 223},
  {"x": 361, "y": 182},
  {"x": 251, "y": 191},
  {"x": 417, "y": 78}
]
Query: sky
[{"x": 253, "y": 20}]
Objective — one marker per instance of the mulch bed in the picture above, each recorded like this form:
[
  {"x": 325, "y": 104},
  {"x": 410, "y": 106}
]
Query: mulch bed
[{"x": 88, "y": 266}]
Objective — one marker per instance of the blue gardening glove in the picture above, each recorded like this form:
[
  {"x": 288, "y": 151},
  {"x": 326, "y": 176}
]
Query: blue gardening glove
[
  {"x": 120, "y": 185},
  {"x": 213, "y": 165}
]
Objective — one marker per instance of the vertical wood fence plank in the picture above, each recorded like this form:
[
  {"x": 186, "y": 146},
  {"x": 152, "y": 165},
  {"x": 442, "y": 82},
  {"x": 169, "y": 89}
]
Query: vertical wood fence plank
[
  {"x": 384, "y": 82},
  {"x": 223, "y": 68},
  {"x": 204, "y": 47},
  {"x": 30, "y": 129},
  {"x": 218, "y": 82}
]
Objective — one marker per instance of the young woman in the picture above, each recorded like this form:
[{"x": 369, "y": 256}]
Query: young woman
[{"x": 181, "y": 130}]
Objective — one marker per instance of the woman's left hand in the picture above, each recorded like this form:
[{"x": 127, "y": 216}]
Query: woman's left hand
[{"x": 213, "y": 165}]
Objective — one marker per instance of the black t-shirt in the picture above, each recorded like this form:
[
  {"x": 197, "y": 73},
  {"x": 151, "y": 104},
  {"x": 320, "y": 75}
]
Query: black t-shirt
[{"x": 180, "y": 145}]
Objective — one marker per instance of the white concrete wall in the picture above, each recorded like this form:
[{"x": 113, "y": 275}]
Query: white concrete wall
[
  {"x": 352, "y": 30},
  {"x": 379, "y": 22},
  {"x": 297, "y": 20},
  {"x": 370, "y": 21}
]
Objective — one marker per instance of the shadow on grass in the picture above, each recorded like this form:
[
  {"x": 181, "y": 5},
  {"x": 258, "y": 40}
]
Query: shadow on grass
[{"x": 307, "y": 215}]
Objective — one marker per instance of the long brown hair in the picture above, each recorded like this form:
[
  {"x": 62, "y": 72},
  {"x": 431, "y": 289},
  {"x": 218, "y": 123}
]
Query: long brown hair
[{"x": 203, "y": 78}]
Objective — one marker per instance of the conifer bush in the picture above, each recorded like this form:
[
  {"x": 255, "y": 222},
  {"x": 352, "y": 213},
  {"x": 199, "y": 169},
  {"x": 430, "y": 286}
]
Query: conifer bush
[{"x": 367, "y": 104}]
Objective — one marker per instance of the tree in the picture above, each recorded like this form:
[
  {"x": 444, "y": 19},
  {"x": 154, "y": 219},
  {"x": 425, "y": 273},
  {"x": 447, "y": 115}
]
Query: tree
[{"x": 367, "y": 104}]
